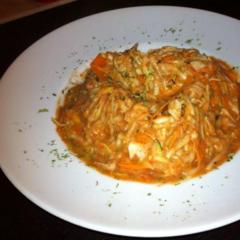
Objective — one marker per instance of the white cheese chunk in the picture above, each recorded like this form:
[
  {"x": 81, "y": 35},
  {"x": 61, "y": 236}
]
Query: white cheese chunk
[{"x": 136, "y": 149}]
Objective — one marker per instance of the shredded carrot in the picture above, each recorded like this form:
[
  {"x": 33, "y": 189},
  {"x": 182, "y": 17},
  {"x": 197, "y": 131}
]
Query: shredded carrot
[
  {"x": 131, "y": 166},
  {"x": 168, "y": 59},
  {"x": 99, "y": 66},
  {"x": 200, "y": 148},
  {"x": 174, "y": 137},
  {"x": 142, "y": 138},
  {"x": 142, "y": 79},
  {"x": 210, "y": 69}
]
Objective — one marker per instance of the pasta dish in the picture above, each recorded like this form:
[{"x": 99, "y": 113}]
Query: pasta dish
[{"x": 157, "y": 117}]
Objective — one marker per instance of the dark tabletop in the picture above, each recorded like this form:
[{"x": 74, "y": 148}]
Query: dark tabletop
[{"x": 19, "y": 217}]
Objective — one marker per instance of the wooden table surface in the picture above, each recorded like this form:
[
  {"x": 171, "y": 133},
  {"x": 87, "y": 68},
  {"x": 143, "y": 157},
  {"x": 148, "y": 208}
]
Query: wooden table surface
[
  {"x": 19, "y": 217},
  {"x": 14, "y": 9}
]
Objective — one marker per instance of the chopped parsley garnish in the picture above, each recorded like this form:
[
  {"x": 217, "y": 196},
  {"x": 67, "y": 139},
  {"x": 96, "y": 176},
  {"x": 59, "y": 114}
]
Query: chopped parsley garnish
[
  {"x": 236, "y": 67},
  {"x": 188, "y": 41},
  {"x": 230, "y": 156},
  {"x": 122, "y": 98},
  {"x": 59, "y": 156},
  {"x": 139, "y": 96},
  {"x": 109, "y": 79},
  {"x": 171, "y": 29},
  {"x": 43, "y": 110},
  {"x": 52, "y": 143}
]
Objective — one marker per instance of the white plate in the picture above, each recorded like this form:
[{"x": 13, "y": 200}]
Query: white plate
[{"x": 30, "y": 147}]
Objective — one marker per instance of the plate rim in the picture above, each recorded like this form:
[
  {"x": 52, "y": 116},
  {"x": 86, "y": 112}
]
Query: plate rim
[{"x": 103, "y": 228}]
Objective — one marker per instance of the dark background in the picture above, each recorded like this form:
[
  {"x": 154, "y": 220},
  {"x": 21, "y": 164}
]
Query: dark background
[{"x": 20, "y": 218}]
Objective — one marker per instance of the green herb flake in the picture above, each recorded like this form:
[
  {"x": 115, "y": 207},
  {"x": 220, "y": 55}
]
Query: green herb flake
[
  {"x": 230, "y": 156},
  {"x": 109, "y": 79},
  {"x": 172, "y": 30},
  {"x": 149, "y": 194},
  {"x": 43, "y": 110},
  {"x": 189, "y": 41},
  {"x": 218, "y": 49},
  {"x": 59, "y": 156},
  {"x": 110, "y": 205},
  {"x": 54, "y": 94},
  {"x": 52, "y": 143},
  {"x": 139, "y": 96},
  {"x": 114, "y": 193},
  {"x": 122, "y": 98},
  {"x": 64, "y": 155},
  {"x": 236, "y": 67}
]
